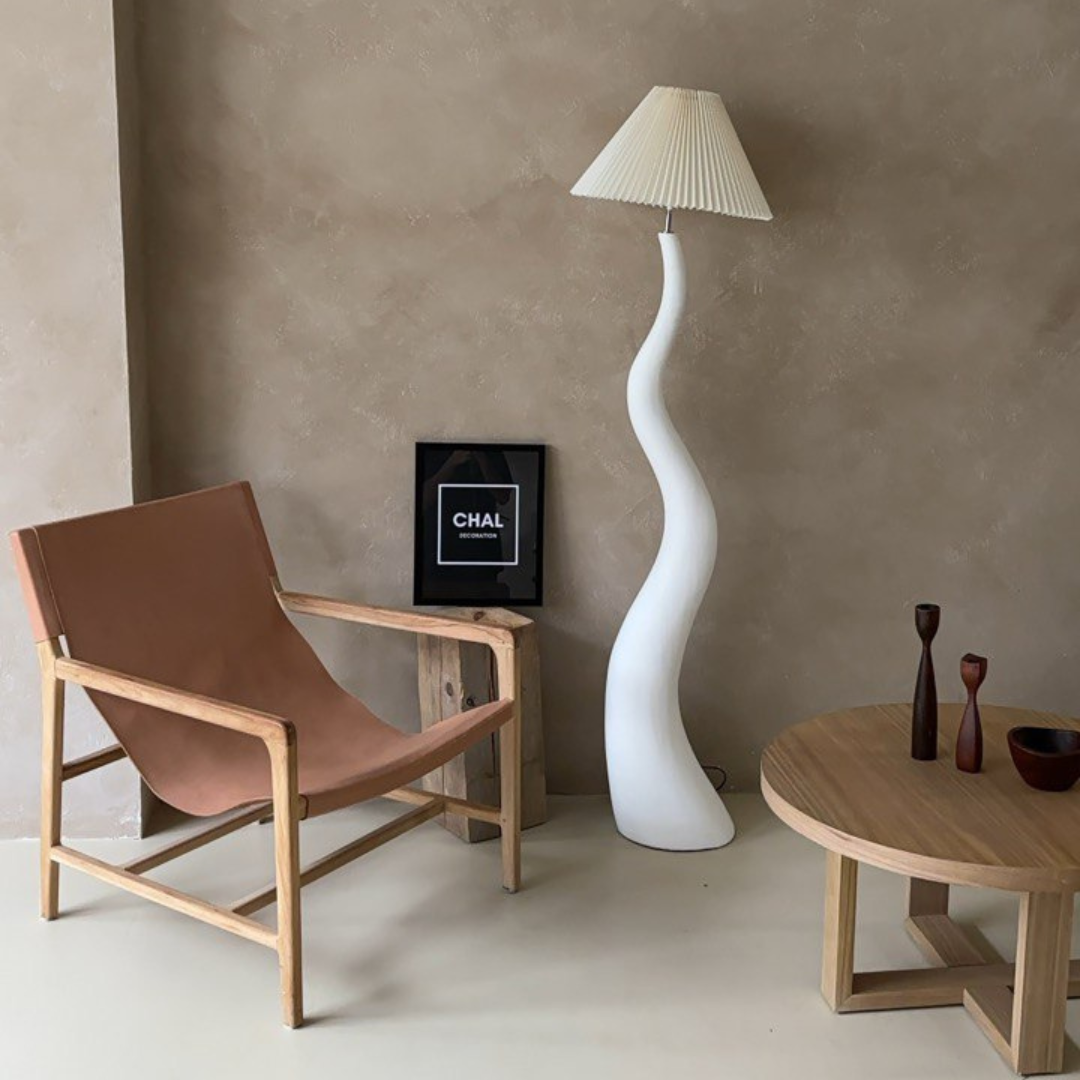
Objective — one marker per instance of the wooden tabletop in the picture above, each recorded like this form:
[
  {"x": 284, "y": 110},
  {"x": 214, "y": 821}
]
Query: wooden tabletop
[{"x": 846, "y": 780}]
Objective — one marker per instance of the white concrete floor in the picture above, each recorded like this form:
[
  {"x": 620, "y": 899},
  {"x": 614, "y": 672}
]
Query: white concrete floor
[{"x": 614, "y": 961}]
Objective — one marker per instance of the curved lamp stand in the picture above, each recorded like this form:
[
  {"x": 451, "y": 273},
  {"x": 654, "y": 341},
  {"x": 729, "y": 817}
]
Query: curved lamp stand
[{"x": 660, "y": 795}]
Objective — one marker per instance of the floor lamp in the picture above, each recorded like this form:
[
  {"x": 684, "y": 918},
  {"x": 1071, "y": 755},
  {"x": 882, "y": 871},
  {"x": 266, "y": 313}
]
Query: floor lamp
[{"x": 679, "y": 151}]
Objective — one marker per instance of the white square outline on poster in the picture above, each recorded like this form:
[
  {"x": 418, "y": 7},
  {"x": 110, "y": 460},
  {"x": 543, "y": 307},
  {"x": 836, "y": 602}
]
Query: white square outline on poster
[{"x": 440, "y": 561}]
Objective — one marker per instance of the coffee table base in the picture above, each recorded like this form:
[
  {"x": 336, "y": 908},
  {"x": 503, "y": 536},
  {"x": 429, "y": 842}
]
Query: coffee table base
[{"x": 1019, "y": 1007}]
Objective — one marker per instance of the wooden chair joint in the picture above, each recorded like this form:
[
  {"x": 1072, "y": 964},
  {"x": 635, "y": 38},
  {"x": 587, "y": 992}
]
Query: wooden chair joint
[{"x": 476, "y": 811}]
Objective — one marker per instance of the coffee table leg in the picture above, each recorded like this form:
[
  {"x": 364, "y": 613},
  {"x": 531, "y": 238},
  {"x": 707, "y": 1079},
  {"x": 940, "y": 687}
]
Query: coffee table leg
[
  {"x": 838, "y": 955},
  {"x": 927, "y": 898},
  {"x": 1042, "y": 982},
  {"x": 1026, "y": 1024}
]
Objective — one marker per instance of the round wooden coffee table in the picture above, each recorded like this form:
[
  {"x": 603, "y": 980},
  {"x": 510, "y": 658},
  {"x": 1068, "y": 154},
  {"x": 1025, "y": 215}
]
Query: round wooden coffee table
[{"x": 846, "y": 780}]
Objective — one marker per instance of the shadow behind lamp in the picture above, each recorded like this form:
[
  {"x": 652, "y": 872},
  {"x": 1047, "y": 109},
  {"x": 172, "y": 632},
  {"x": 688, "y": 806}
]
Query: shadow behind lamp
[{"x": 678, "y": 150}]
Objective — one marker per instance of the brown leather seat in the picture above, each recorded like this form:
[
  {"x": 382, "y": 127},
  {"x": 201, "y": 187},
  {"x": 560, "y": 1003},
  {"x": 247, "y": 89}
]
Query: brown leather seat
[{"x": 181, "y": 592}]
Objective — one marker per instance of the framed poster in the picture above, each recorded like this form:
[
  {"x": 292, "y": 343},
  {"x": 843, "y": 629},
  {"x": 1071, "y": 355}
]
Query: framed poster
[{"x": 479, "y": 529}]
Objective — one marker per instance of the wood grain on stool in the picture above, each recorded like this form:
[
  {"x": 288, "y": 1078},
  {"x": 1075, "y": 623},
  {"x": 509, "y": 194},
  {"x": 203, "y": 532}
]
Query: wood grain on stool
[{"x": 456, "y": 675}]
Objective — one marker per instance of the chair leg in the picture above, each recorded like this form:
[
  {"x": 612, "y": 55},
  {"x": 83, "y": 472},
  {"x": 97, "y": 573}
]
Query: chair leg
[
  {"x": 52, "y": 763},
  {"x": 508, "y": 670},
  {"x": 287, "y": 870}
]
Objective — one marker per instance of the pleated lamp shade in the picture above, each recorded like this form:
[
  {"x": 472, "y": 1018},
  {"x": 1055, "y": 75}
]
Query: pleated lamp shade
[{"x": 678, "y": 150}]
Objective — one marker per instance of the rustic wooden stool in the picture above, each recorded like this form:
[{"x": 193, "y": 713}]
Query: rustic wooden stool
[{"x": 456, "y": 675}]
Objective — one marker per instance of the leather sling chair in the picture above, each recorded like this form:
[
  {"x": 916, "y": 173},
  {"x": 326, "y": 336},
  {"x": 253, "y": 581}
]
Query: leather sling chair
[{"x": 176, "y": 626}]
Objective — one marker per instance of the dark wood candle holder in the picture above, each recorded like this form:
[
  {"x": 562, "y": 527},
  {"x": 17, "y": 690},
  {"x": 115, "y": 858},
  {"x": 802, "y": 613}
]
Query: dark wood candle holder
[
  {"x": 924, "y": 713},
  {"x": 969, "y": 743}
]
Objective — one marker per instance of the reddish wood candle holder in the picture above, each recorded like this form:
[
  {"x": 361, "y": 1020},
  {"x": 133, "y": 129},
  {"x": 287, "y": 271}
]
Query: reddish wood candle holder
[{"x": 969, "y": 743}]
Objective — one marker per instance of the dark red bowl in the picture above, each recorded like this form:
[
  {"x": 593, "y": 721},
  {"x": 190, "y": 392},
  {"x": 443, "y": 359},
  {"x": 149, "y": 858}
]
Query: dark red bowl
[{"x": 1047, "y": 758}]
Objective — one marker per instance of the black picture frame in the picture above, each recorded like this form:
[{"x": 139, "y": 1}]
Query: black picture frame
[{"x": 478, "y": 527}]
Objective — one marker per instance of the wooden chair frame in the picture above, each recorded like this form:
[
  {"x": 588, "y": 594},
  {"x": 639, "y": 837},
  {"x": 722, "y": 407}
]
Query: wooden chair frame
[{"x": 287, "y": 807}]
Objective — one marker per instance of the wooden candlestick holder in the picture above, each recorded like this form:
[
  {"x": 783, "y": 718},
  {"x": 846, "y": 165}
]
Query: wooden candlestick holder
[
  {"x": 924, "y": 712},
  {"x": 969, "y": 742}
]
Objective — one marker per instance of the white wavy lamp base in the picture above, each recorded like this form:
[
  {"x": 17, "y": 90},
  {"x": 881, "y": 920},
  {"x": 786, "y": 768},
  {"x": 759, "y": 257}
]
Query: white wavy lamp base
[{"x": 660, "y": 794}]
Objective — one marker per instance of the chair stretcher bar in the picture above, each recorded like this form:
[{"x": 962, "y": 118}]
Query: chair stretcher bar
[
  {"x": 197, "y": 840},
  {"x": 344, "y": 855},
  {"x": 97, "y": 760},
  {"x": 166, "y": 896}
]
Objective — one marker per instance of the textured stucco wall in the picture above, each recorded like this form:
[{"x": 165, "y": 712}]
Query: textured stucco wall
[
  {"x": 64, "y": 418},
  {"x": 359, "y": 234}
]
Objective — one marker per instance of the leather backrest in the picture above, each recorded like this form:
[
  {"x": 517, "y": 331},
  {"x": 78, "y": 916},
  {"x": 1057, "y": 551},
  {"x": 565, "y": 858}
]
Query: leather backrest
[{"x": 178, "y": 591}]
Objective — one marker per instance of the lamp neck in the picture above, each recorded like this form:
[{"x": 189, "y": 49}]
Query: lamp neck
[{"x": 667, "y": 220}]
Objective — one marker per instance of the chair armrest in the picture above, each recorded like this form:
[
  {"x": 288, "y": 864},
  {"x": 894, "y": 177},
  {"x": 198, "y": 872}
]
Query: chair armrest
[
  {"x": 416, "y": 622},
  {"x": 271, "y": 729}
]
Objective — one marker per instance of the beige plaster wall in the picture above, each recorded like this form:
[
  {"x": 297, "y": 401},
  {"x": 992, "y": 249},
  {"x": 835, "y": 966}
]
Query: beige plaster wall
[
  {"x": 64, "y": 415},
  {"x": 358, "y": 234}
]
